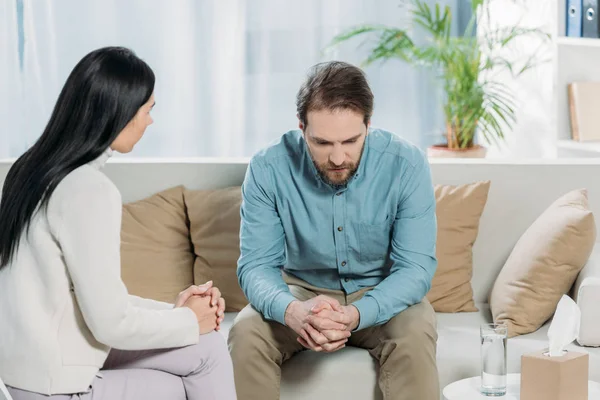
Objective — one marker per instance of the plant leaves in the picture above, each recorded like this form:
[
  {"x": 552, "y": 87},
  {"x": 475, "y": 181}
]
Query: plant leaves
[{"x": 466, "y": 65}]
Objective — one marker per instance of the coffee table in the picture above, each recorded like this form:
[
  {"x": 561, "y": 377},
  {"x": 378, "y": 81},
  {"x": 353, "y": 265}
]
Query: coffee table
[{"x": 468, "y": 389}]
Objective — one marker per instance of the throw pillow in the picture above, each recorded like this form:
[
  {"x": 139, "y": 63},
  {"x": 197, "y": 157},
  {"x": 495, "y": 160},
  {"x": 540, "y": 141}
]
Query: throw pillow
[
  {"x": 544, "y": 264},
  {"x": 215, "y": 231},
  {"x": 458, "y": 212},
  {"x": 156, "y": 253}
]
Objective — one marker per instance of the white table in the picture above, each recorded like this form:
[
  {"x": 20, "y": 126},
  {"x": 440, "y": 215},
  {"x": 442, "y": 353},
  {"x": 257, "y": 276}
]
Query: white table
[{"x": 468, "y": 389}]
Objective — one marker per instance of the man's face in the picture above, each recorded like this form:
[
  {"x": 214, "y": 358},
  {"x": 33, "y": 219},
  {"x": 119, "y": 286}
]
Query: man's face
[{"x": 335, "y": 140}]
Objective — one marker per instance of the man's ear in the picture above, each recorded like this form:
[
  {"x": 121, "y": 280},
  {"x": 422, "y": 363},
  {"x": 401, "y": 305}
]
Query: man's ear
[{"x": 300, "y": 124}]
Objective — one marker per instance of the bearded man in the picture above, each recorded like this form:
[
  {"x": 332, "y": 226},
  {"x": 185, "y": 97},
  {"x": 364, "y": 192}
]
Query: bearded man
[{"x": 337, "y": 240}]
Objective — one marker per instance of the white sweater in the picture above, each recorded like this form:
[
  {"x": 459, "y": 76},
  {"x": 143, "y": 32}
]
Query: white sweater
[{"x": 63, "y": 304}]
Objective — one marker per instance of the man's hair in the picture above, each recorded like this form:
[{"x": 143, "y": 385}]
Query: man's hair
[{"x": 332, "y": 86}]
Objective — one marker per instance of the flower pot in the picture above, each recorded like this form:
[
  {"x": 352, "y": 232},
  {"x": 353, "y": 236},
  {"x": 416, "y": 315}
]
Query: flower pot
[{"x": 442, "y": 151}]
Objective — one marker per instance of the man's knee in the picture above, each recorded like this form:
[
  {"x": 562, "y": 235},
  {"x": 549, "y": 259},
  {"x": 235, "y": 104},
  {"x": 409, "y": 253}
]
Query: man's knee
[
  {"x": 410, "y": 338},
  {"x": 249, "y": 332},
  {"x": 416, "y": 324}
]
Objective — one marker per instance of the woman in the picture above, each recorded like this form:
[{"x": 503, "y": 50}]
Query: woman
[{"x": 64, "y": 310}]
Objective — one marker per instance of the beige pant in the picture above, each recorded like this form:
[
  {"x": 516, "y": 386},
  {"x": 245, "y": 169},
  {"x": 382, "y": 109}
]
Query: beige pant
[{"x": 405, "y": 347}]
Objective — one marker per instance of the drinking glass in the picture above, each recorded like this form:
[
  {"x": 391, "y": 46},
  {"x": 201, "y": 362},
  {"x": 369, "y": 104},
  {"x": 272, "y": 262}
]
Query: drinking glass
[{"x": 493, "y": 359}]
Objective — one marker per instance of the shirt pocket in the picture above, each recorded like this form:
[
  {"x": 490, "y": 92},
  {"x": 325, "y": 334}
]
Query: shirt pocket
[{"x": 374, "y": 241}]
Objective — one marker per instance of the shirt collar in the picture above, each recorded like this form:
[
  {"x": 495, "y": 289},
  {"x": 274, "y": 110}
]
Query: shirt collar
[{"x": 99, "y": 162}]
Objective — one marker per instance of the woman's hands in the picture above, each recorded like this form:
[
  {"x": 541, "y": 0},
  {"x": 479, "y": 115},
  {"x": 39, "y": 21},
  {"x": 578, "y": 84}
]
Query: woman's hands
[{"x": 206, "y": 302}]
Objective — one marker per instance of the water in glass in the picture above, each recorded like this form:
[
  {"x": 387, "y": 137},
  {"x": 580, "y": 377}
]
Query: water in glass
[{"x": 493, "y": 359}]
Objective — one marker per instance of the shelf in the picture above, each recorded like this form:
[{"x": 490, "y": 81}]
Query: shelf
[
  {"x": 578, "y": 42},
  {"x": 593, "y": 147}
]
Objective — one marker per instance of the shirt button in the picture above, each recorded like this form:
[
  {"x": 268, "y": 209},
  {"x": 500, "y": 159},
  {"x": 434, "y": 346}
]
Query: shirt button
[
  {"x": 340, "y": 228},
  {"x": 346, "y": 279},
  {"x": 343, "y": 263}
]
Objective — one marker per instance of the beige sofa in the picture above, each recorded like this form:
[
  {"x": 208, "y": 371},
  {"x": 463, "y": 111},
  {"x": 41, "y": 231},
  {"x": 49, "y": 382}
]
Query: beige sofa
[{"x": 518, "y": 194}]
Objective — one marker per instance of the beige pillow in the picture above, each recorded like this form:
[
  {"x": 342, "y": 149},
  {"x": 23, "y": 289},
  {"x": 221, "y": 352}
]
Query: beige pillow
[
  {"x": 544, "y": 264},
  {"x": 215, "y": 232},
  {"x": 458, "y": 211},
  {"x": 156, "y": 252}
]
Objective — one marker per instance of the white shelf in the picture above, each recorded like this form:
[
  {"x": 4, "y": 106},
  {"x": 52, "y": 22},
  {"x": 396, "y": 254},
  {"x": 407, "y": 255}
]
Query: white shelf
[
  {"x": 592, "y": 147},
  {"x": 575, "y": 60},
  {"x": 578, "y": 42}
]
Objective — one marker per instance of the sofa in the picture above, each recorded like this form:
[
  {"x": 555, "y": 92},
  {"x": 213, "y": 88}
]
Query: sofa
[{"x": 518, "y": 194}]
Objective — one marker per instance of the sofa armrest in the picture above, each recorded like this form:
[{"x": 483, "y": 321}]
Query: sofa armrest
[{"x": 586, "y": 292}]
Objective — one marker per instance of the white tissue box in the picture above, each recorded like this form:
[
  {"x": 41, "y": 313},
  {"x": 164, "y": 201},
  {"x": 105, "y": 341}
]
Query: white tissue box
[{"x": 554, "y": 378}]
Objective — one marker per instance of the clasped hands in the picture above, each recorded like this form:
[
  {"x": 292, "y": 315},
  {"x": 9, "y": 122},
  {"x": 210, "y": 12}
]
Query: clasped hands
[
  {"x": 206, "y": 302},
  {"x": 322, "y": 323}
]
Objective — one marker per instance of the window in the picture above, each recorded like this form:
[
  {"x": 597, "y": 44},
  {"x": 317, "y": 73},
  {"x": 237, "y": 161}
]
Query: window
[{"x": 227, "y": 71}]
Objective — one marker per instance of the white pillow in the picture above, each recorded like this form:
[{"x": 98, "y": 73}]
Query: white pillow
[{"x": 587, "y": 294}]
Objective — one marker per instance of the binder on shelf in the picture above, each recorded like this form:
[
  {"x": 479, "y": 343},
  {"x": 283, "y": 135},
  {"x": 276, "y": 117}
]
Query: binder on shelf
[
  {"x": 590, "y": 19},
  {"x": 584, "y": 103},
  {"x": 574, "y": 18}
]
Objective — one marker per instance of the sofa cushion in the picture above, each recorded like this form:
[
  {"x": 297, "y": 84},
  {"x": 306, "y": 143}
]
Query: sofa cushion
[
  {"x": 544, "y": 264},
  {"x": 156, "y": 254},
  {"x": 308, "y": 375},
  {"x": 458, "y": 211},
  {"x": 215, "y": 230}
]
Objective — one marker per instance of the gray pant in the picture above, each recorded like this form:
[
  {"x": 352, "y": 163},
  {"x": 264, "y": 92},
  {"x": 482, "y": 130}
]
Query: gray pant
[{"x": 198, "y": 372}]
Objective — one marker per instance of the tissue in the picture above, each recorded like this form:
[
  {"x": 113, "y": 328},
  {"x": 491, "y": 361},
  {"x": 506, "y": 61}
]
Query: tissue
[
  {"x": 553, "y": 373},
  {"x": 564, "y": 327}
]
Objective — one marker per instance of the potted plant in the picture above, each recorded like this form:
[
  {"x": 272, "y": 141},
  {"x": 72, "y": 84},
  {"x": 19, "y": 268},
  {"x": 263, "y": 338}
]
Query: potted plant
[{"x": 468, "y": 67}]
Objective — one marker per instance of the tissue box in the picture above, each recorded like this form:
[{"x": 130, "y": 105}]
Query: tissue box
[{"x": 554, "y": 378}]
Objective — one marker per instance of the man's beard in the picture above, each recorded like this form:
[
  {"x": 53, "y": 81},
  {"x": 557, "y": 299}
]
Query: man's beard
[{"x": 341, "y": 179}]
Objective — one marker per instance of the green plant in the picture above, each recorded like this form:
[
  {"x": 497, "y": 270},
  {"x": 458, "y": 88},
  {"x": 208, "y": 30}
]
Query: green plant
[{"x": 468, "y": 66}]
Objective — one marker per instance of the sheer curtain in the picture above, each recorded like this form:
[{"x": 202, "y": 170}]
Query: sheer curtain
[
  {"x": 11, "y": 90},
  {"x": 227, "y": 70}
]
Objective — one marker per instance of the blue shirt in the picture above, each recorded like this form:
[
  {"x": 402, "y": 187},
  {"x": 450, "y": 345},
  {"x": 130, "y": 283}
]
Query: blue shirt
[{"x": 379, "y": 230}]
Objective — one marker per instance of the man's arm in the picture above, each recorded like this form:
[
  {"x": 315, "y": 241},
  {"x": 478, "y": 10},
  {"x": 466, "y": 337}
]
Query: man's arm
[
  {"x": 412, "y": 251},
  {"x": 262, "y": 246}
]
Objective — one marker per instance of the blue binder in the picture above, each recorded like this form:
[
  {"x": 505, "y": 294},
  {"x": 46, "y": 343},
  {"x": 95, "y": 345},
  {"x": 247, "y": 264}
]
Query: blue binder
[
  {"x": 574, "y": 18},
  {"x": 589, "y": 18}
]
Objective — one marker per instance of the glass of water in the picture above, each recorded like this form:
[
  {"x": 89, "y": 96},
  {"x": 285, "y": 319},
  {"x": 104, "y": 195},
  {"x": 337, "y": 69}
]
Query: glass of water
[{"x": 493, "y": 359}]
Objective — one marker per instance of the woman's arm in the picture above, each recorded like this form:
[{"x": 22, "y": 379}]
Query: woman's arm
[
  {"x": 87, "y": 225},
  {"x": 149, "y": 303}
]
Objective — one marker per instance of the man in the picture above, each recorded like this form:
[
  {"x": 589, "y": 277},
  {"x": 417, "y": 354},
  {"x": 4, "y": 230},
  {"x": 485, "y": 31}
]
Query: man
[{"x": 337, "y": 245}]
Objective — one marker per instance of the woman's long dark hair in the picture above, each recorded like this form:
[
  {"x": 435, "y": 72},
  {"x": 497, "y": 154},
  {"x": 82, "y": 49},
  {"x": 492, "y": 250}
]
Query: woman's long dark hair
[{"x": 102, "y": 94}]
